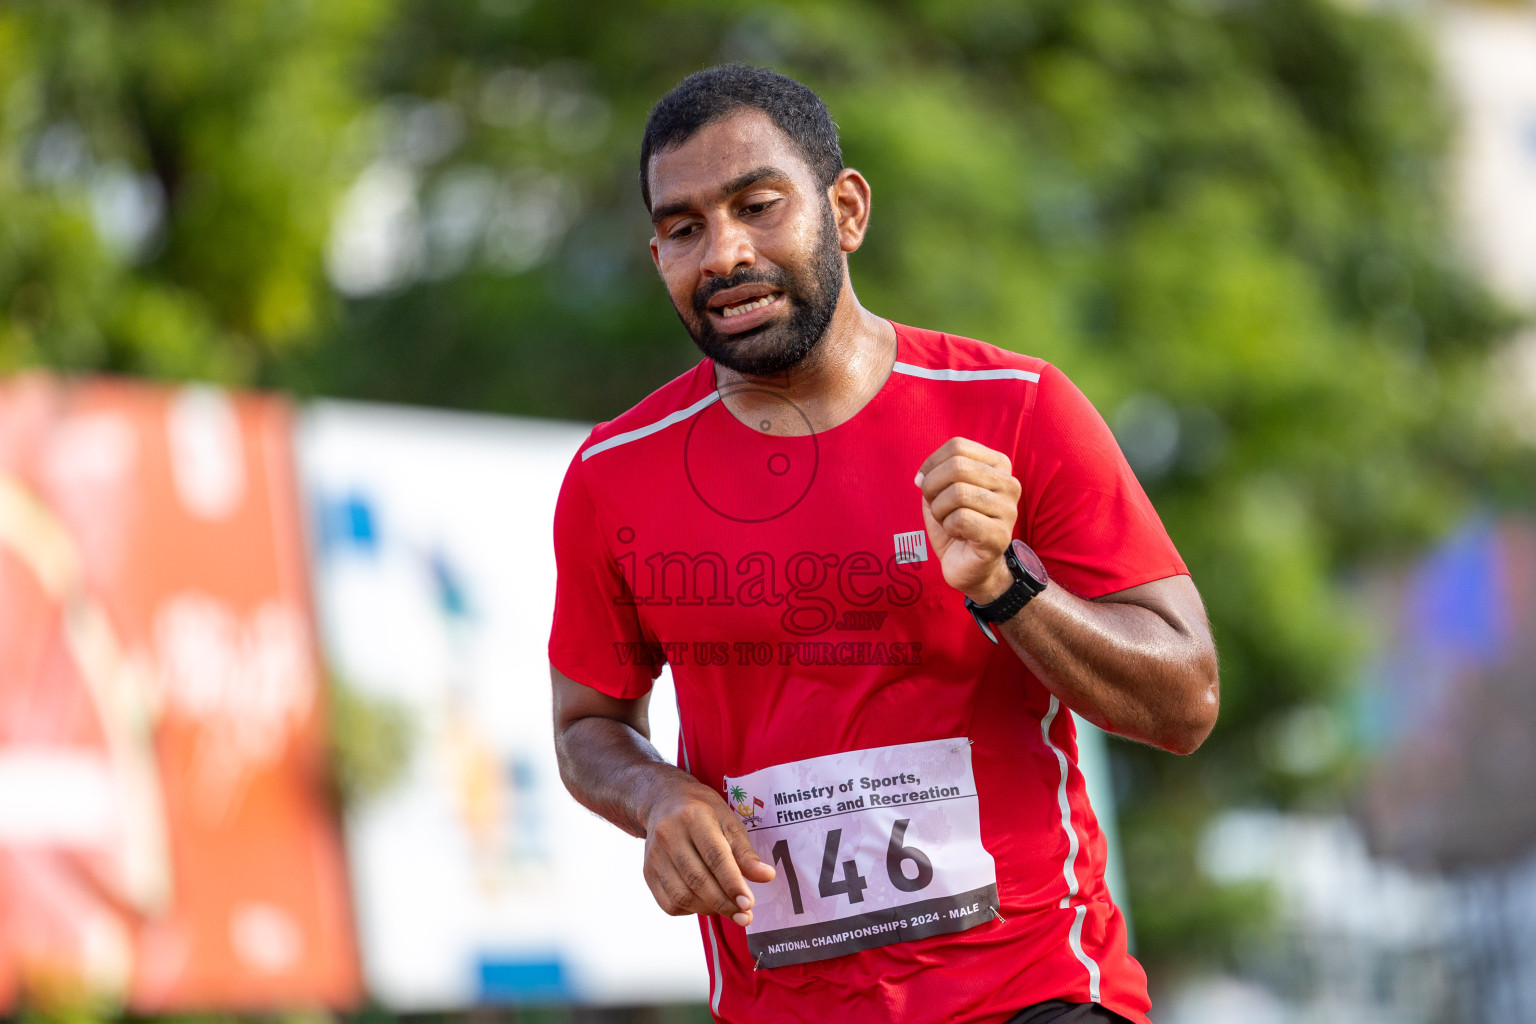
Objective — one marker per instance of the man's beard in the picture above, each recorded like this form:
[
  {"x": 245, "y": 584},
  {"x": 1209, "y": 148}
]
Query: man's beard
[{"x": 785, "y": 342}]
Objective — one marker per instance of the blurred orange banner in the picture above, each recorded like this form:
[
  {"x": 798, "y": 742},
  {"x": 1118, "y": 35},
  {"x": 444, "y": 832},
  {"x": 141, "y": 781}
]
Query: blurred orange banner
[{"x": 166, "y": 838}]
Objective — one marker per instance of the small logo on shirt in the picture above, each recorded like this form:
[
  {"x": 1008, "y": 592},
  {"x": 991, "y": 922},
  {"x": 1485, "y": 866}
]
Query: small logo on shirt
[{"x": 912, "y": 547}]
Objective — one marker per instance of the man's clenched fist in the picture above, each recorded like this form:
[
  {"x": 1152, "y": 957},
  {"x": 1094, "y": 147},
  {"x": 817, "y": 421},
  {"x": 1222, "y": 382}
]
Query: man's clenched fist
[{"x": 970, "y": 504}]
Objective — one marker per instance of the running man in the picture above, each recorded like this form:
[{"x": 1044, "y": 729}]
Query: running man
[{"x": 882, "y": 563}]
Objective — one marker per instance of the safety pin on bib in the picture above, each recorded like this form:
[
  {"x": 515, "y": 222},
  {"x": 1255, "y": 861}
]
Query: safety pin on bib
[{"x": 956, "y": 750}]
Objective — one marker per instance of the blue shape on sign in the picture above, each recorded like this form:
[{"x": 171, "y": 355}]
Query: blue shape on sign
[
  {"x": 523, "y": 981},
  {"x": 524, "y": 777},
  {"x": 348, "y": 523},
  {"x": 452, "y": 597},
  {"x": 1457, "y": 606}
]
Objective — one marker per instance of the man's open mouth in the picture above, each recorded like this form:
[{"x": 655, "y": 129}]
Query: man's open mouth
[
  {"x": 745, "y": 307},
  {"x": 749, "y": 306}
]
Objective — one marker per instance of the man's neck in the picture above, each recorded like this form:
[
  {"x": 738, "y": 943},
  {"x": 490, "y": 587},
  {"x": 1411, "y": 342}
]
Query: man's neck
[{"x": 828, "y": 387}]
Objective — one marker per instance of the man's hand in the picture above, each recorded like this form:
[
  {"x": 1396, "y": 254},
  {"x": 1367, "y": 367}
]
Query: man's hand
[
  {"x": 970, "y": 503},
  {"x": 698, "y": 858}
]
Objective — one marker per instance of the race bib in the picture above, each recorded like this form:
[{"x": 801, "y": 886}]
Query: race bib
[{"x": 871, "y": 847}]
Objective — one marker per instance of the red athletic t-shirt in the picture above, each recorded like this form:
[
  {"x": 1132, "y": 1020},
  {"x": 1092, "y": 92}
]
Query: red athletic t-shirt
[{"x": 788, "y": 583}]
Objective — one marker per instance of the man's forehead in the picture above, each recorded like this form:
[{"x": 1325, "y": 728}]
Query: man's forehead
[{"x": 722, "y": 152}]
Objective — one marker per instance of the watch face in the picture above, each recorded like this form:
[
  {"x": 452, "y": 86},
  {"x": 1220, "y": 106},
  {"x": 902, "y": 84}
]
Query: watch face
[{"x": 1031, "y": 562}]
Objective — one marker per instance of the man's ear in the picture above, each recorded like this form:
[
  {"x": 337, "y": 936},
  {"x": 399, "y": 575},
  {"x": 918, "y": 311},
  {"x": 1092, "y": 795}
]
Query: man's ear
[
  {"x": 655, "y": 254},
  {"x": 849, "y": 195}
]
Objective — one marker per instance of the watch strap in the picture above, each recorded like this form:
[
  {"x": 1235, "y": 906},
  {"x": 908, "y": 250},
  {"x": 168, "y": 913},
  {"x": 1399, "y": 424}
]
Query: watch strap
[{"x": 1011, "y": 601}]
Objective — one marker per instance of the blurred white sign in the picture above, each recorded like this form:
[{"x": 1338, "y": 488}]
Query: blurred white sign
[
  {"x": 1489, "y": 55},
  {"x": 477, "y": 878}
]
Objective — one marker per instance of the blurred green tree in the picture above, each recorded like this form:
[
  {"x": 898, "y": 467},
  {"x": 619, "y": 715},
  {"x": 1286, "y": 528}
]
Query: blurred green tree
[
  {"x": 1225, "y": 220},
  {"x": 167, "y": 172}
]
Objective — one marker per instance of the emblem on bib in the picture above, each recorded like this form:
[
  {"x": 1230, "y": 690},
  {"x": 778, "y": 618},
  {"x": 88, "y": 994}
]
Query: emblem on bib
[
  {"x": 746, "y": 807},
  {"x": 896, "y": 835}
]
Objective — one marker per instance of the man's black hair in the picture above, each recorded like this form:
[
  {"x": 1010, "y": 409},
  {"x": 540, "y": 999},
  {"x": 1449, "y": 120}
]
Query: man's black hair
[{"x": 709, "y": 95}]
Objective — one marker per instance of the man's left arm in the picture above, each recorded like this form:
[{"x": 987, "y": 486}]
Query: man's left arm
[{"x": 1139, "y": 662}]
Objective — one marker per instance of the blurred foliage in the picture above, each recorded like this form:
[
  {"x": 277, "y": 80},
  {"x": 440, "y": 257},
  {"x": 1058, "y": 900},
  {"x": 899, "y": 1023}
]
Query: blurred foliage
[
  {"x": 371, "y": 739},
  {"x": 167, "y": 172},
  {"x": 61, "y": 999},
  {"x": 1225, "y": 219}
]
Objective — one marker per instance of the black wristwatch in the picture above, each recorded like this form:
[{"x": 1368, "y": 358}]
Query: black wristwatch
[{"x": 1029, "y": 578}]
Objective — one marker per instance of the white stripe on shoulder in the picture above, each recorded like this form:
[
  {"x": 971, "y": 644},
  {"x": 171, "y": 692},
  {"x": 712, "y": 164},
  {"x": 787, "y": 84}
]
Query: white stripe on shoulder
[
  {"x": 932, "y": 374},
  {"x": 651, "y": 428}
]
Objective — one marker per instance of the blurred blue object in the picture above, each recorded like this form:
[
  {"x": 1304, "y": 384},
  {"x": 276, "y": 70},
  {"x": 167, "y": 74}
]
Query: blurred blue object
[
  {"x": 347, "y": 523},
  {"x": 523, "y": 981},
  {"x": 1453, "y": 623},
  {"x": 1458, "y": 599},
  {"x": 448, "y": 584}
]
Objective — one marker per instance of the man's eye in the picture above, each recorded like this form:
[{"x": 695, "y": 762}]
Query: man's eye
[
  {"x": 759, "y": 207},
  {"x": 682, "y": 232}
]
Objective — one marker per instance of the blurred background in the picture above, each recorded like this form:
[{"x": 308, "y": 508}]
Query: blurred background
[{"x": 305, "y": 304}]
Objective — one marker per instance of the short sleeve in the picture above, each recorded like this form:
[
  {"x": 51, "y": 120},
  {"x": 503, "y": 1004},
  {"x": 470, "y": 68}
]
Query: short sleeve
[
  {"x": 1083, "y": 511},
  {"x": 597, "y": 639}
]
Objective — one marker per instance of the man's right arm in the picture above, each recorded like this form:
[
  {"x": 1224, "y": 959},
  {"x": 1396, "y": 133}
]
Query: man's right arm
[{"x": 698, "y": 858}]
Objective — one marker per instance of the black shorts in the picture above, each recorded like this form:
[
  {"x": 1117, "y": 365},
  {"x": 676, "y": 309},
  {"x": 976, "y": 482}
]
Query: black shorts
[{"x": 1059, "y": 1012}]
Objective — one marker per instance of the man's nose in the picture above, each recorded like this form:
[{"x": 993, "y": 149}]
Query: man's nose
[{"x": 727, "y": 249}]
